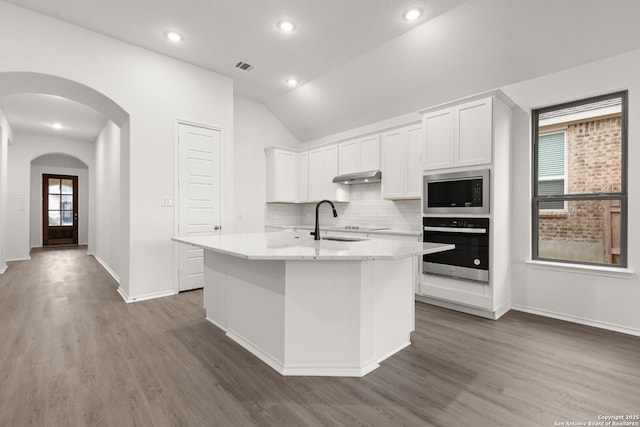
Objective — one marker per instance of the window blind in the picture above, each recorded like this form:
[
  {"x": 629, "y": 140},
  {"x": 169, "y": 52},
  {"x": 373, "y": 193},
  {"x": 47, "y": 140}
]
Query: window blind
[{"x": 551, "y": 155}]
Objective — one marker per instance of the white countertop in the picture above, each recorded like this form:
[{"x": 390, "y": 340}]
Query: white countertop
[
  {"x": 387, "y": 231},
  {"x": 288, "y": 245}
]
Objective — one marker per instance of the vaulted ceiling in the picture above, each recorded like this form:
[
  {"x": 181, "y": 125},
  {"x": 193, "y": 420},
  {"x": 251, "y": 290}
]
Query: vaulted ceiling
[{"x": 359, "y": 61}]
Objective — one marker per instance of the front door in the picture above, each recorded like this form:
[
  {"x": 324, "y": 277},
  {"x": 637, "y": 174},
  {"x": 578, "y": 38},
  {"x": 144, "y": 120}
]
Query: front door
[
  {"x": 199, "y": 185},
  {"x": 59, "y": 210}
]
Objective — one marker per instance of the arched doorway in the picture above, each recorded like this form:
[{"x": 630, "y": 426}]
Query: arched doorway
[{"x": 24, "y": 82}]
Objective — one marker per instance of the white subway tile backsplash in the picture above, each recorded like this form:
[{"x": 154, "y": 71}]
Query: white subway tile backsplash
[{"x": 366, "y": 208}]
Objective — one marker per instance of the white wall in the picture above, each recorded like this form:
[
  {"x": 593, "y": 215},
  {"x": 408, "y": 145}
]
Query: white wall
[
  {"x": 577, "y": 295},
  {"x": 107, "y": 198},
  {"x": 22, "y": 152},
  {"x": 255, "y": 128},
  {"x": 47, "y": 165},
  {"x": 155, "y": 91},
  {"x": 5, "y": 136}
]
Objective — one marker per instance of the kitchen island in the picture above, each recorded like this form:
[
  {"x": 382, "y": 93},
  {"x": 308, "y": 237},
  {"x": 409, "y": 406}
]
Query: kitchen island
[{"x": 305, "y": 307}]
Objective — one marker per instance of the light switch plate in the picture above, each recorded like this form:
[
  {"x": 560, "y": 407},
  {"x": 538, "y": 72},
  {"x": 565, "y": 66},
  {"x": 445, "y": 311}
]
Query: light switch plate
[{"x": 167, "y": 202}]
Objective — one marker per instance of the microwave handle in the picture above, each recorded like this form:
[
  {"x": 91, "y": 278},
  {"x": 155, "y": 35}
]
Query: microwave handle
[{"x": 457, "y": 230}]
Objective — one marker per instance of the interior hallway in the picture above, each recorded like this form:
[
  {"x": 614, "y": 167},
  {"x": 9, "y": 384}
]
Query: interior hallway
[{"x": 73, "y": 353}]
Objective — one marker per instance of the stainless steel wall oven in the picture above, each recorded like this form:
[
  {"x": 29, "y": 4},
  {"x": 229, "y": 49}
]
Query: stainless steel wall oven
[{"x": 470, "y": 259}]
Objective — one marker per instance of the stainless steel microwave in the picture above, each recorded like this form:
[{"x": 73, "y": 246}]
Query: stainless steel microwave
[{"x": 456, "y": 193}]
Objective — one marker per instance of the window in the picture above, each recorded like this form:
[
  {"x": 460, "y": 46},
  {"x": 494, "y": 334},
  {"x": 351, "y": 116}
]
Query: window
[{"x": 580, "y": 181}]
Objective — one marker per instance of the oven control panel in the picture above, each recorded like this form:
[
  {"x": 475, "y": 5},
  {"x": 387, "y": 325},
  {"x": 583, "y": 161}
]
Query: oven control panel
[{"x": 456, "y": 222}]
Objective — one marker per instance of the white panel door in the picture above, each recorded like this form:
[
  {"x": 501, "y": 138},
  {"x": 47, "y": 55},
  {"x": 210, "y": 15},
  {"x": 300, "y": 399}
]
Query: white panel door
[
  {"x": 330, "y": 170},
  {"x": 286, "y": 176},
  {"x": 316, "y": 175},
  {"x": 474, "y": 132},
  {"x": 349, "y": 157},
  {"x": 439, "y": 134},
  {"x": 370, "y": 153},
  {"x": 394, "y": 160},
  {"x": 303, "y": 177},
  {"x": 199, "y": 197},
  {"x": 414, "y": 161}
]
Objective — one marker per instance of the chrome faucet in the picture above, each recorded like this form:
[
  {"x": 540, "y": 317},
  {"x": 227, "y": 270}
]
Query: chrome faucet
[{"x": 316, "y": 233}]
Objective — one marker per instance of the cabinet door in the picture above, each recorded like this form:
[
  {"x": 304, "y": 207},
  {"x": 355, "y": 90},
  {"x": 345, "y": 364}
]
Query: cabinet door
[
  {"x": 303, "y": 177},
  {"x": 316, "y": 175},
  {"x": 370, "y": 153},
  {"x": 474, "y": 132},
  {"x": 286, "y": 179},
  {"x": 330, "y": 171},
  {"x": 349, "y": 157},
  {"x": 414, "y": 162},
  {"x": 394, "y": 158},
  {"x": 439, "y": 135}
]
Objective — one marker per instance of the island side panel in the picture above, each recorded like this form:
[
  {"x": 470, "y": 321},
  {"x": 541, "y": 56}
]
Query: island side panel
[
  {"x": 329, "y": 318},
  {"x": 394, "y": 307},
  {"x": 215, "y": 289},
  {"x": 253, "y": 293}
]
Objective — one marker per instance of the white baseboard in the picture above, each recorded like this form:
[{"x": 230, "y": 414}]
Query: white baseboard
[
  {"x": 123, "y": 294},
  {"x": 3, "y": 269},
  {"x": 335, "y": 370},
  {"x": 28, "y": 258},
  {"x": 576, "y": 319},
  {"x": 155, "y": 295},
  {"x": 392, "y": 352},
  {"x": 106, "y": 267},
  {"x": 480, "y": 312}
]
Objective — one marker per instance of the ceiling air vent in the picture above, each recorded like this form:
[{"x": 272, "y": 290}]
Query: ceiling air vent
[{"x": 244, "y": 66}]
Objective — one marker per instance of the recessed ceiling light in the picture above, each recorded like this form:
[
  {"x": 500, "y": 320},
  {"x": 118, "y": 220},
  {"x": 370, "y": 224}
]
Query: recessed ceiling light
[
  {"x": 173, "y": 36},
  {"x": 292, "y": 82},
  {"x": 412, "y": 14},
  {"x": 286, "y": 26},
  {"x": 56, "y": 125}
]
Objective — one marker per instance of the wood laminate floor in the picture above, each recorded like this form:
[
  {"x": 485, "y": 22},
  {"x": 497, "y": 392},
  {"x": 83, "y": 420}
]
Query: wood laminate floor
[{"x": 73, "y": 353}]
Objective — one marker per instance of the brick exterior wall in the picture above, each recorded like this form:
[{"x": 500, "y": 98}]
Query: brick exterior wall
[{"x": 593, "y": 166}]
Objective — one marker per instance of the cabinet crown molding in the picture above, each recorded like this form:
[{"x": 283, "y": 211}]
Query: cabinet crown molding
[{"x": 494, "y": 93}]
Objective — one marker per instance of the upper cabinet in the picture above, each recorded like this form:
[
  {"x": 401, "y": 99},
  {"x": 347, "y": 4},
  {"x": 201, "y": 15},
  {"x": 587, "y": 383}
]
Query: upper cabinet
[
  {"x": 303, "y": 177},
  {"x": 282, "y": 176},
  {"x": 401, "y": 163},
  {"x": 359, "y": 155},
  {"x": 323, "y": 167},
  {"x": 459, "y": 136}
]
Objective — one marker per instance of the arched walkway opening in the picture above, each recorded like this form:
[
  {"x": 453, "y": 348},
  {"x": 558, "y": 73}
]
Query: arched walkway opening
[{"x": 107, "y": 176}]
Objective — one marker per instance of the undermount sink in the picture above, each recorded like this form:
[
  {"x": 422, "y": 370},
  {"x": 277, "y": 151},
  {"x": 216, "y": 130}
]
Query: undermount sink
[{"x": 344, "y": 239}]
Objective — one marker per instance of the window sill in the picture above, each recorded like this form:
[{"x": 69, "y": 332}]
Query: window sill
[{"x": 592, "y": 270}]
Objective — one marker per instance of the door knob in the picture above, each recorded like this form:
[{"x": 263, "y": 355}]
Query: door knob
[{"x": 217, "y": 227}]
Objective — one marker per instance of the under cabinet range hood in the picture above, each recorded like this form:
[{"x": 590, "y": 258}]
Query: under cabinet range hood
[{"x": 359, "y": 177}]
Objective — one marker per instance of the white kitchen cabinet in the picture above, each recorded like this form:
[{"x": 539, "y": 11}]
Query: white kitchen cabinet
[
  {"x": 415, "y": 138},
  {"x": 359, "y": 155},
  {"x": 401, "y": 167},
  {"x": 282, "y": 176},
  {"x": 482, "y": 136},
  {"x": 323, "y": 167},
  {"x": 370, "y": 153},
  {"x": 473, "y": 132},
  {"x": 303, "y": 177},
  {"x": 439, "y": 136},
  {"x": 460, "y": 135},
  {"x": 349, "y": 157}
]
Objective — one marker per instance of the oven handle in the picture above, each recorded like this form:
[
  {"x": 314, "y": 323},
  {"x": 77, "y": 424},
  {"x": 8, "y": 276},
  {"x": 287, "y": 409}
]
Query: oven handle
[{"x": 457, "y": 230}]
